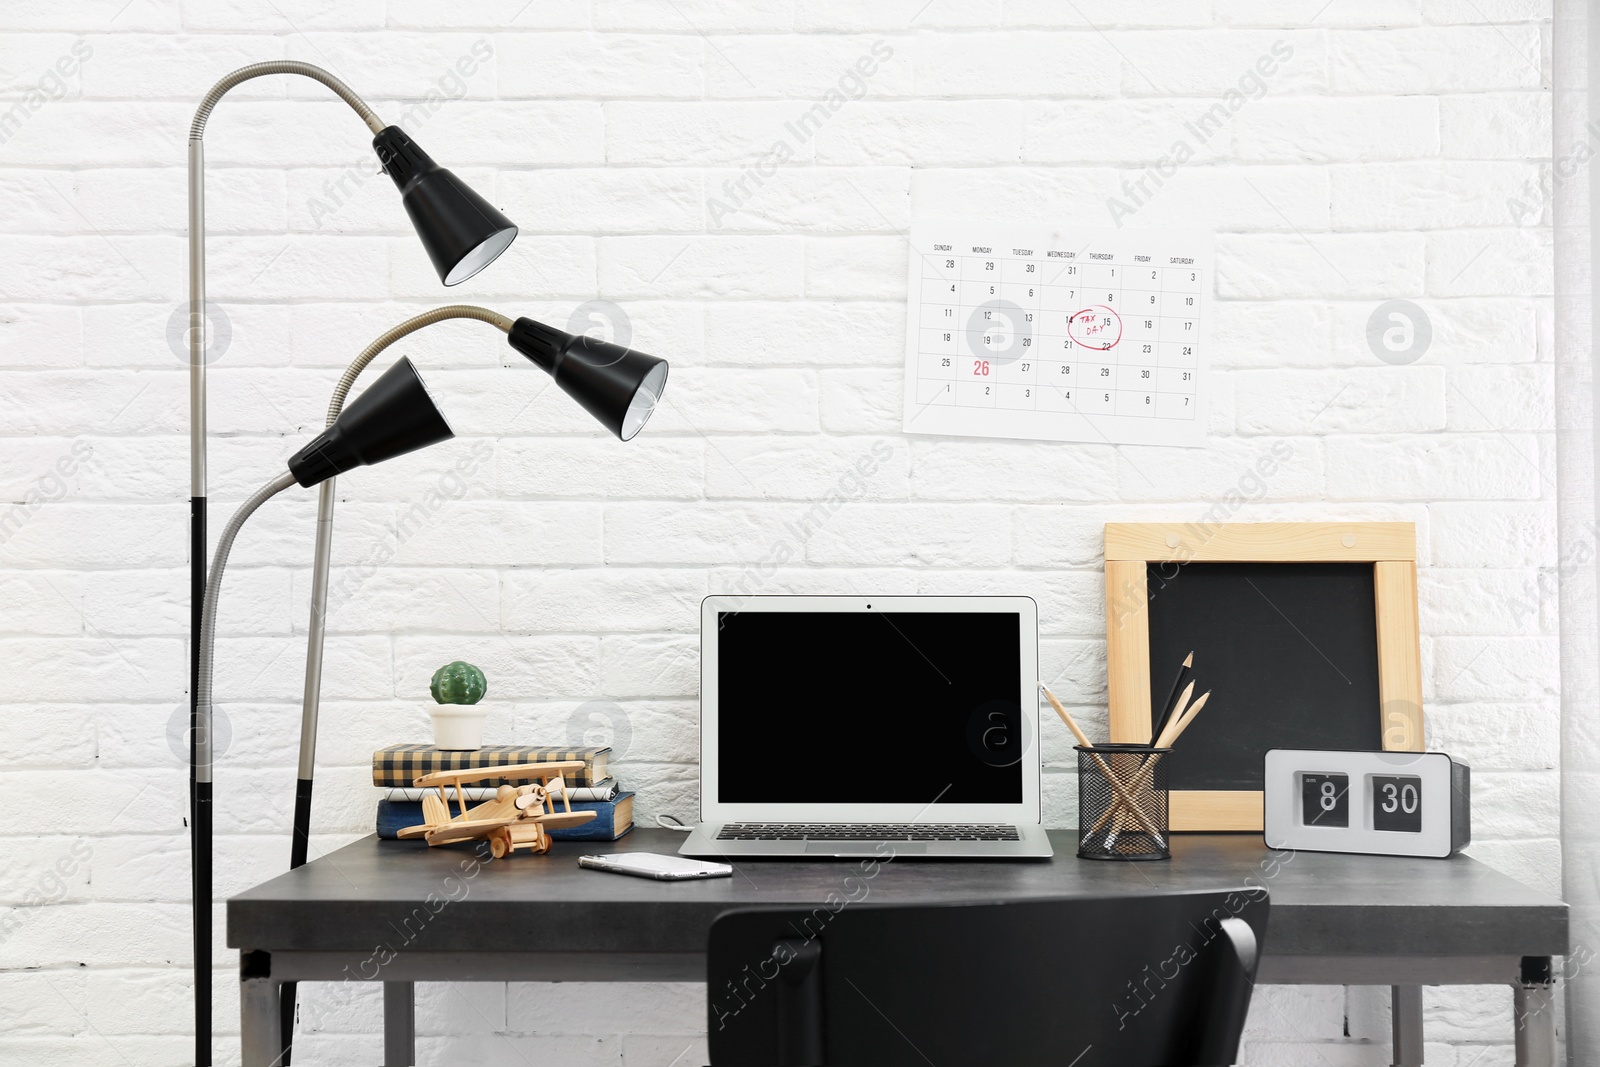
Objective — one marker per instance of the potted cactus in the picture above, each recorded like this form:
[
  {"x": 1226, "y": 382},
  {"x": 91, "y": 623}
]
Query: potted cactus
[{"x": 457, "y": 720}]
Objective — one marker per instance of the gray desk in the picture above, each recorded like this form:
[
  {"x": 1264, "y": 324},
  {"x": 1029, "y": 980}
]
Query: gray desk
[{"x": 400, "y": 913}]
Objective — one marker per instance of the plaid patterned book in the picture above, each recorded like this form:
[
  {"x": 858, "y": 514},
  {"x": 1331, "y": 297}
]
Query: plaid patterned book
[
  {"x": 401, "y": 765},
  {"x": 606, "y": 790}
]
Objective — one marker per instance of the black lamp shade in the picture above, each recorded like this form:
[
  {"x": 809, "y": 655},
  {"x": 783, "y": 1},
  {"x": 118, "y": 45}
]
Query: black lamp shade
[
  {"x": 618, "y": 386},
  {"x": 462, "y": 231},
  {"x": 395, "y": 415}
]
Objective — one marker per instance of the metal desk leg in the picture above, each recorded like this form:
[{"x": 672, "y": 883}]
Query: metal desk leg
[
  {"x": 1533, "y": 998},
  {"x": 1406, "y": 1018},
  {"x": 261, "y": 1036},
  {"x": 399, "y": 1024}
]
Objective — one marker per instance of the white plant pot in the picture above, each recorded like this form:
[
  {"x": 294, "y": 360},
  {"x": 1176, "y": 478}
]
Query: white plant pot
[{"x": 458, "y": 727}]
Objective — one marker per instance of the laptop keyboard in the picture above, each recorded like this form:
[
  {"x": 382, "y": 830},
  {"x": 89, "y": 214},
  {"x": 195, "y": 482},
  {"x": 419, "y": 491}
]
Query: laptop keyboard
[{"x": 883, "y": 831}]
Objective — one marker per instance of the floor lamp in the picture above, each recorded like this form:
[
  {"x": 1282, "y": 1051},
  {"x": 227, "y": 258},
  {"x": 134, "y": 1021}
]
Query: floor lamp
[{"x": 462, "y": 234}]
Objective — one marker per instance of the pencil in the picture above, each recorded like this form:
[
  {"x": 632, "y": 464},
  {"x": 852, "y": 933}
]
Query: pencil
[
  {"x": 1172, "y": 698},
  {"x": 1178, "y": 711},
  {"x": 1189, "y": 716},
  {"x": 1083, "y": 738}
]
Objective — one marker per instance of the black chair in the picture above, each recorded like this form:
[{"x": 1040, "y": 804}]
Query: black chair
[{"x": 1129, "y": 980}]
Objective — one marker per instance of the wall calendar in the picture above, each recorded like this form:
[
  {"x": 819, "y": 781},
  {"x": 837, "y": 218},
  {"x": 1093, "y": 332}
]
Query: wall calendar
[{"x": 1060, "y": 334}]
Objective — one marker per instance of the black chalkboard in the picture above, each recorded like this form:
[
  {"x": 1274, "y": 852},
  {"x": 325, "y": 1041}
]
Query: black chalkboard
[{"x": 1289, "y": 652}]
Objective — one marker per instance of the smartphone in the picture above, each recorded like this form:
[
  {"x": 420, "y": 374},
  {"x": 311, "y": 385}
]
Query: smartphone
[{"x": 651, "y": 865}]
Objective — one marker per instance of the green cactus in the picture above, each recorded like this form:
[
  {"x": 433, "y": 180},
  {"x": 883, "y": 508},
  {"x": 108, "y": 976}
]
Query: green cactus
[{"x": 458, "y": 683}]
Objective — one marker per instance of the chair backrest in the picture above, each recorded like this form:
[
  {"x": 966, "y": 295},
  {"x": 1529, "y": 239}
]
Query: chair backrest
[{"x": 1119, "y": 981}]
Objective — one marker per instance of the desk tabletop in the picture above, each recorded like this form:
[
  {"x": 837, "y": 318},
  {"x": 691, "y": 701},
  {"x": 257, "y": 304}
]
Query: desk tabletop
[{"x": 1322, "y": 904}]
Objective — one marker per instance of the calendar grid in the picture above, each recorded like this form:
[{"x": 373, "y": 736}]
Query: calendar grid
[{"x": 1069, "y": 335}]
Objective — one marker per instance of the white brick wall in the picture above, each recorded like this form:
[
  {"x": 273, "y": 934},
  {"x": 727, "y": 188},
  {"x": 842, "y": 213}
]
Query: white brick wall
[{"x": 1381, "y": 160}]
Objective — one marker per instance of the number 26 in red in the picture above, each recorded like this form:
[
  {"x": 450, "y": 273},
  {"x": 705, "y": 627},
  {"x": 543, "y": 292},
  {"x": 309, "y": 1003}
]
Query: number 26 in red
[{"x": 980, "y": 367}]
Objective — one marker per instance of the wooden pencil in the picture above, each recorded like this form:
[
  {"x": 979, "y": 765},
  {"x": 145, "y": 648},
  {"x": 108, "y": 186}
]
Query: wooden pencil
[
  {"x": 1083, "y": 739},
  {"x": 1178, "y": 710},
  {"x": 1189, "y": 716},
  {"x": 1172, "y": 698}
]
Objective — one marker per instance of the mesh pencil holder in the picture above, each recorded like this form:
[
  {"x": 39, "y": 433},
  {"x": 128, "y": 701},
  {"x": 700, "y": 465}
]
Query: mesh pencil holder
[{"x": 1122, "y": 803}]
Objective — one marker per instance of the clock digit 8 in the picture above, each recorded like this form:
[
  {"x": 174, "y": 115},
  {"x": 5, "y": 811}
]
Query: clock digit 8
[
  {"x": 1325, "y": 799},
  {"x": 1383, "y": 803}
]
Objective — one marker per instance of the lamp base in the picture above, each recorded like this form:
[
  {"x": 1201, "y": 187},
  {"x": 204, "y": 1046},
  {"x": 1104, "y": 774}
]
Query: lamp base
[{"x": 200, "y": 835}]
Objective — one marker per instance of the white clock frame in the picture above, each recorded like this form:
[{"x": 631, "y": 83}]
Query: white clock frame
[{"x": 1446, "y": 804}]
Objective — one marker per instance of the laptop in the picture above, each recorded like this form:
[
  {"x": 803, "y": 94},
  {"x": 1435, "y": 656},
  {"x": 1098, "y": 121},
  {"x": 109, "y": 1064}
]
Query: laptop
[{"x": 834, "y": 726}]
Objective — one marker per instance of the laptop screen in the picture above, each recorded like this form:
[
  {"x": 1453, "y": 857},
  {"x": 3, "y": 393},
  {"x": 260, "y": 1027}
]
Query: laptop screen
[{"x": 820, "y": 707}]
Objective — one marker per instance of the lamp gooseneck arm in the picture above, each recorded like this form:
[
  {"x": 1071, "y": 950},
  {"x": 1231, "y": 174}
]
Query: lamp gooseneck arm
[
  {"x": 316, "y": 628},
  {"x": 395, "y": 333},
  {"x": 197, "y": 237},
  {"x": 197, "y": 129},
  {"x": 208, "y": 613}
]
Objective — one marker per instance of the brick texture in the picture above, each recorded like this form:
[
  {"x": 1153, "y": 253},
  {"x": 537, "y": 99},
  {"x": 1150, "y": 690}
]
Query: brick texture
[{"x": 1397, "y": 150}]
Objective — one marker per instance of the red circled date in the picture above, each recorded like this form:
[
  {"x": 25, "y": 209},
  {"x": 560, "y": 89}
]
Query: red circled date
[{"x": 1097, "y": 327}]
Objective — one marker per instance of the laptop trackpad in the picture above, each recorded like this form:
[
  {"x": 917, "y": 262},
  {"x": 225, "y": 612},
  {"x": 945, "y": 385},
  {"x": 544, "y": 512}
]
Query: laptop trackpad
[{"x": 867, "y": 848}]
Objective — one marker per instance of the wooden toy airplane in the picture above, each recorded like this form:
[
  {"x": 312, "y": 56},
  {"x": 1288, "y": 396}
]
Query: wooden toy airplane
[{"x": 517, "y": 817}]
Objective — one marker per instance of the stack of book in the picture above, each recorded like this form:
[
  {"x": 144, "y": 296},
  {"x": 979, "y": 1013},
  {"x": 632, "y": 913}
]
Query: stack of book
[{"x": 395, "y": 768}]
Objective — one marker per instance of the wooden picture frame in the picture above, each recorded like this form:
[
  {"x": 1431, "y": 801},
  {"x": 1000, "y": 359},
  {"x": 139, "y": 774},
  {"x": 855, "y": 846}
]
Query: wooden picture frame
[{"x": 1391, "y": 547}]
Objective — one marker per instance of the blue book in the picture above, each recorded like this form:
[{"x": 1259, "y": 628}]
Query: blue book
[{"x": 613, "y": 818}]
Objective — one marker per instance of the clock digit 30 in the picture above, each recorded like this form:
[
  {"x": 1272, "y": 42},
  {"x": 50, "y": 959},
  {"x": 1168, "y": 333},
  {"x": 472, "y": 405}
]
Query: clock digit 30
[{"x": 1382, "y": 803}]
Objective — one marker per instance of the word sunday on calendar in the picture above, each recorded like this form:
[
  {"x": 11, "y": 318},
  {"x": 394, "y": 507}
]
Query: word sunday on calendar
[{"x": 1066, "y": 334}]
